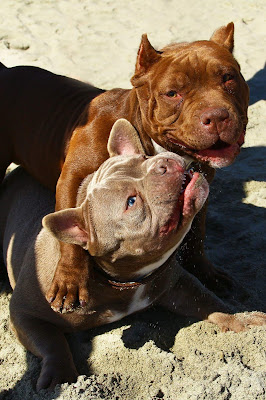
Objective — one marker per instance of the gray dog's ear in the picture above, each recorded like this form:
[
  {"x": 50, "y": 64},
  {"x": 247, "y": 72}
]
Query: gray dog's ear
[
  {"x": 68, "y": 226},
  {"x": 124, "y": 139},
  {"x": 225, "y": 36}
]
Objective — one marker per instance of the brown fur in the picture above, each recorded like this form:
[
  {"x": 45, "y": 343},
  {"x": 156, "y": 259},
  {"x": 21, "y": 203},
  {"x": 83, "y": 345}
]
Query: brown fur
[{"x": 189, "y": 98}]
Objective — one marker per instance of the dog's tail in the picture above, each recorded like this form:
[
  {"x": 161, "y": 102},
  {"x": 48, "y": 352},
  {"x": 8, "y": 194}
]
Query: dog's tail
[{"x": 2, "y": 65}]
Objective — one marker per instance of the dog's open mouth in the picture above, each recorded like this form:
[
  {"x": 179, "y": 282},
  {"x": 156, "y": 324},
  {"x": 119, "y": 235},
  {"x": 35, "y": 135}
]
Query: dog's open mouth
[
  {"x": 219, "y": 154},
  {"x": 219, "y": 145},
  {"x": 176, "y": 216}
]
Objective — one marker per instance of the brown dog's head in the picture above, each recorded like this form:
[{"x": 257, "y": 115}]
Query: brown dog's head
[
  {"x": 135, "y": 210},
  {"x": 193, "y": 97}
]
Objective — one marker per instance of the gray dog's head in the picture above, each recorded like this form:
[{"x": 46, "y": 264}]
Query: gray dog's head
[{"x": 134, "y": 211}]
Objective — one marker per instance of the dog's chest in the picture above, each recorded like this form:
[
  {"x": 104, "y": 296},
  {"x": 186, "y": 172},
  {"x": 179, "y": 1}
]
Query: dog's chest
[{"x": 140, "y": 300}]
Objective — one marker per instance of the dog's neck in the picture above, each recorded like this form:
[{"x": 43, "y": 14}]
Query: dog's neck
[
  {"x": 150, "y": 268},
  {"x": 144, "y": 280},
  {"x": 148, "y": 272}
]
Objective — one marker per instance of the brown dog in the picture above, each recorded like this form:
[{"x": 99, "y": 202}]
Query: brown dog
[
  {"x": 132, "y": 214},
  {"x": 189, "y": 98}
]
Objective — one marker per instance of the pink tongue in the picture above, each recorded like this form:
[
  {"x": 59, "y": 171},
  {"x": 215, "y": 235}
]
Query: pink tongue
[{"x": 174, "y": 220}]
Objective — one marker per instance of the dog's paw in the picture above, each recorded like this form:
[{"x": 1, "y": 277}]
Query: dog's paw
[
  {"x": 54, "y": 372},
  {"x": 68, "y": 291},
  {"x": 237, "y": 322}
]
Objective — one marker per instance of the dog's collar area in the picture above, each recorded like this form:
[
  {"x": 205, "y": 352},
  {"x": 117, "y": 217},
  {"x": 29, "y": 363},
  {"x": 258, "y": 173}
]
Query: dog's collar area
[
  {"x": 124, "y": 285},
  {"x": 109, "y": 280}
]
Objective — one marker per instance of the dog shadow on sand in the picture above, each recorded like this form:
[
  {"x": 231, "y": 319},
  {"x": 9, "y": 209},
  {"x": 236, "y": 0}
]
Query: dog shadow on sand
[
  {"x": 235, "y": 242},
  {"x": 257, "y": 86}
]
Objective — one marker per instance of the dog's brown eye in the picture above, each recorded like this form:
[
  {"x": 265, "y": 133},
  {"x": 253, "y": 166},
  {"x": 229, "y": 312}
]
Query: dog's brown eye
[
  {"x": 227, "y": 77},
  {"x": 171, "y": 93}
]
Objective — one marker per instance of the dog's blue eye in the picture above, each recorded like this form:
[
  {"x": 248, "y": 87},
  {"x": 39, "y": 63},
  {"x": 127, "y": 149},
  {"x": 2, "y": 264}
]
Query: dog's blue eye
[{"x": 131, "y": 200}]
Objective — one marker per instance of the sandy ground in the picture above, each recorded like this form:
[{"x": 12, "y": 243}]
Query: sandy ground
[{"x": 155, "y": 355}]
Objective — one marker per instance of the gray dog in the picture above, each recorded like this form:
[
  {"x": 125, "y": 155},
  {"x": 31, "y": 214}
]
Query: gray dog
[{"x": 131, "y": 216}]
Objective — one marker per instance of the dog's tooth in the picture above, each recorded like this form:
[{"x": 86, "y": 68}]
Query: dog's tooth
[{"x": 190, "y": 173}]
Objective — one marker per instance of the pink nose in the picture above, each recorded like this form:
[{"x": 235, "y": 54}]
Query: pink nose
[
  {"x": 167, "y": 165},
  {"x": 214, "y": 119}
]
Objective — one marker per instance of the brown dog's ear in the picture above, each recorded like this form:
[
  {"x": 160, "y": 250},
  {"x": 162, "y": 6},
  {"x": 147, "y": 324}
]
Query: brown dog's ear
[
  {"x": 124, "y": 139},
  {"x": 225, "y": 36},
  {"x": 146, "y": 57},
  {"x": 68, "y": 226}
]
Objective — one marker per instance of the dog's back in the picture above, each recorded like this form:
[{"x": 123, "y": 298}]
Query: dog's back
[
  {"x": 23, "y": 203},
  {"x": 39, "y": 111}
]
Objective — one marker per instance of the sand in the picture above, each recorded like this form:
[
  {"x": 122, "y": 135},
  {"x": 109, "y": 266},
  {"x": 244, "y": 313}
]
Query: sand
[{"x": 155, "y": 355}]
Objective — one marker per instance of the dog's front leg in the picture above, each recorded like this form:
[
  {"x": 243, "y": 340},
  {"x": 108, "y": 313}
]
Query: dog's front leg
[
  {"x": 70, "y": 284},
  {"x": 71, "y": 280},
  {"x": 47, "y": 342},
  {"x": 190, "y": 298}
]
